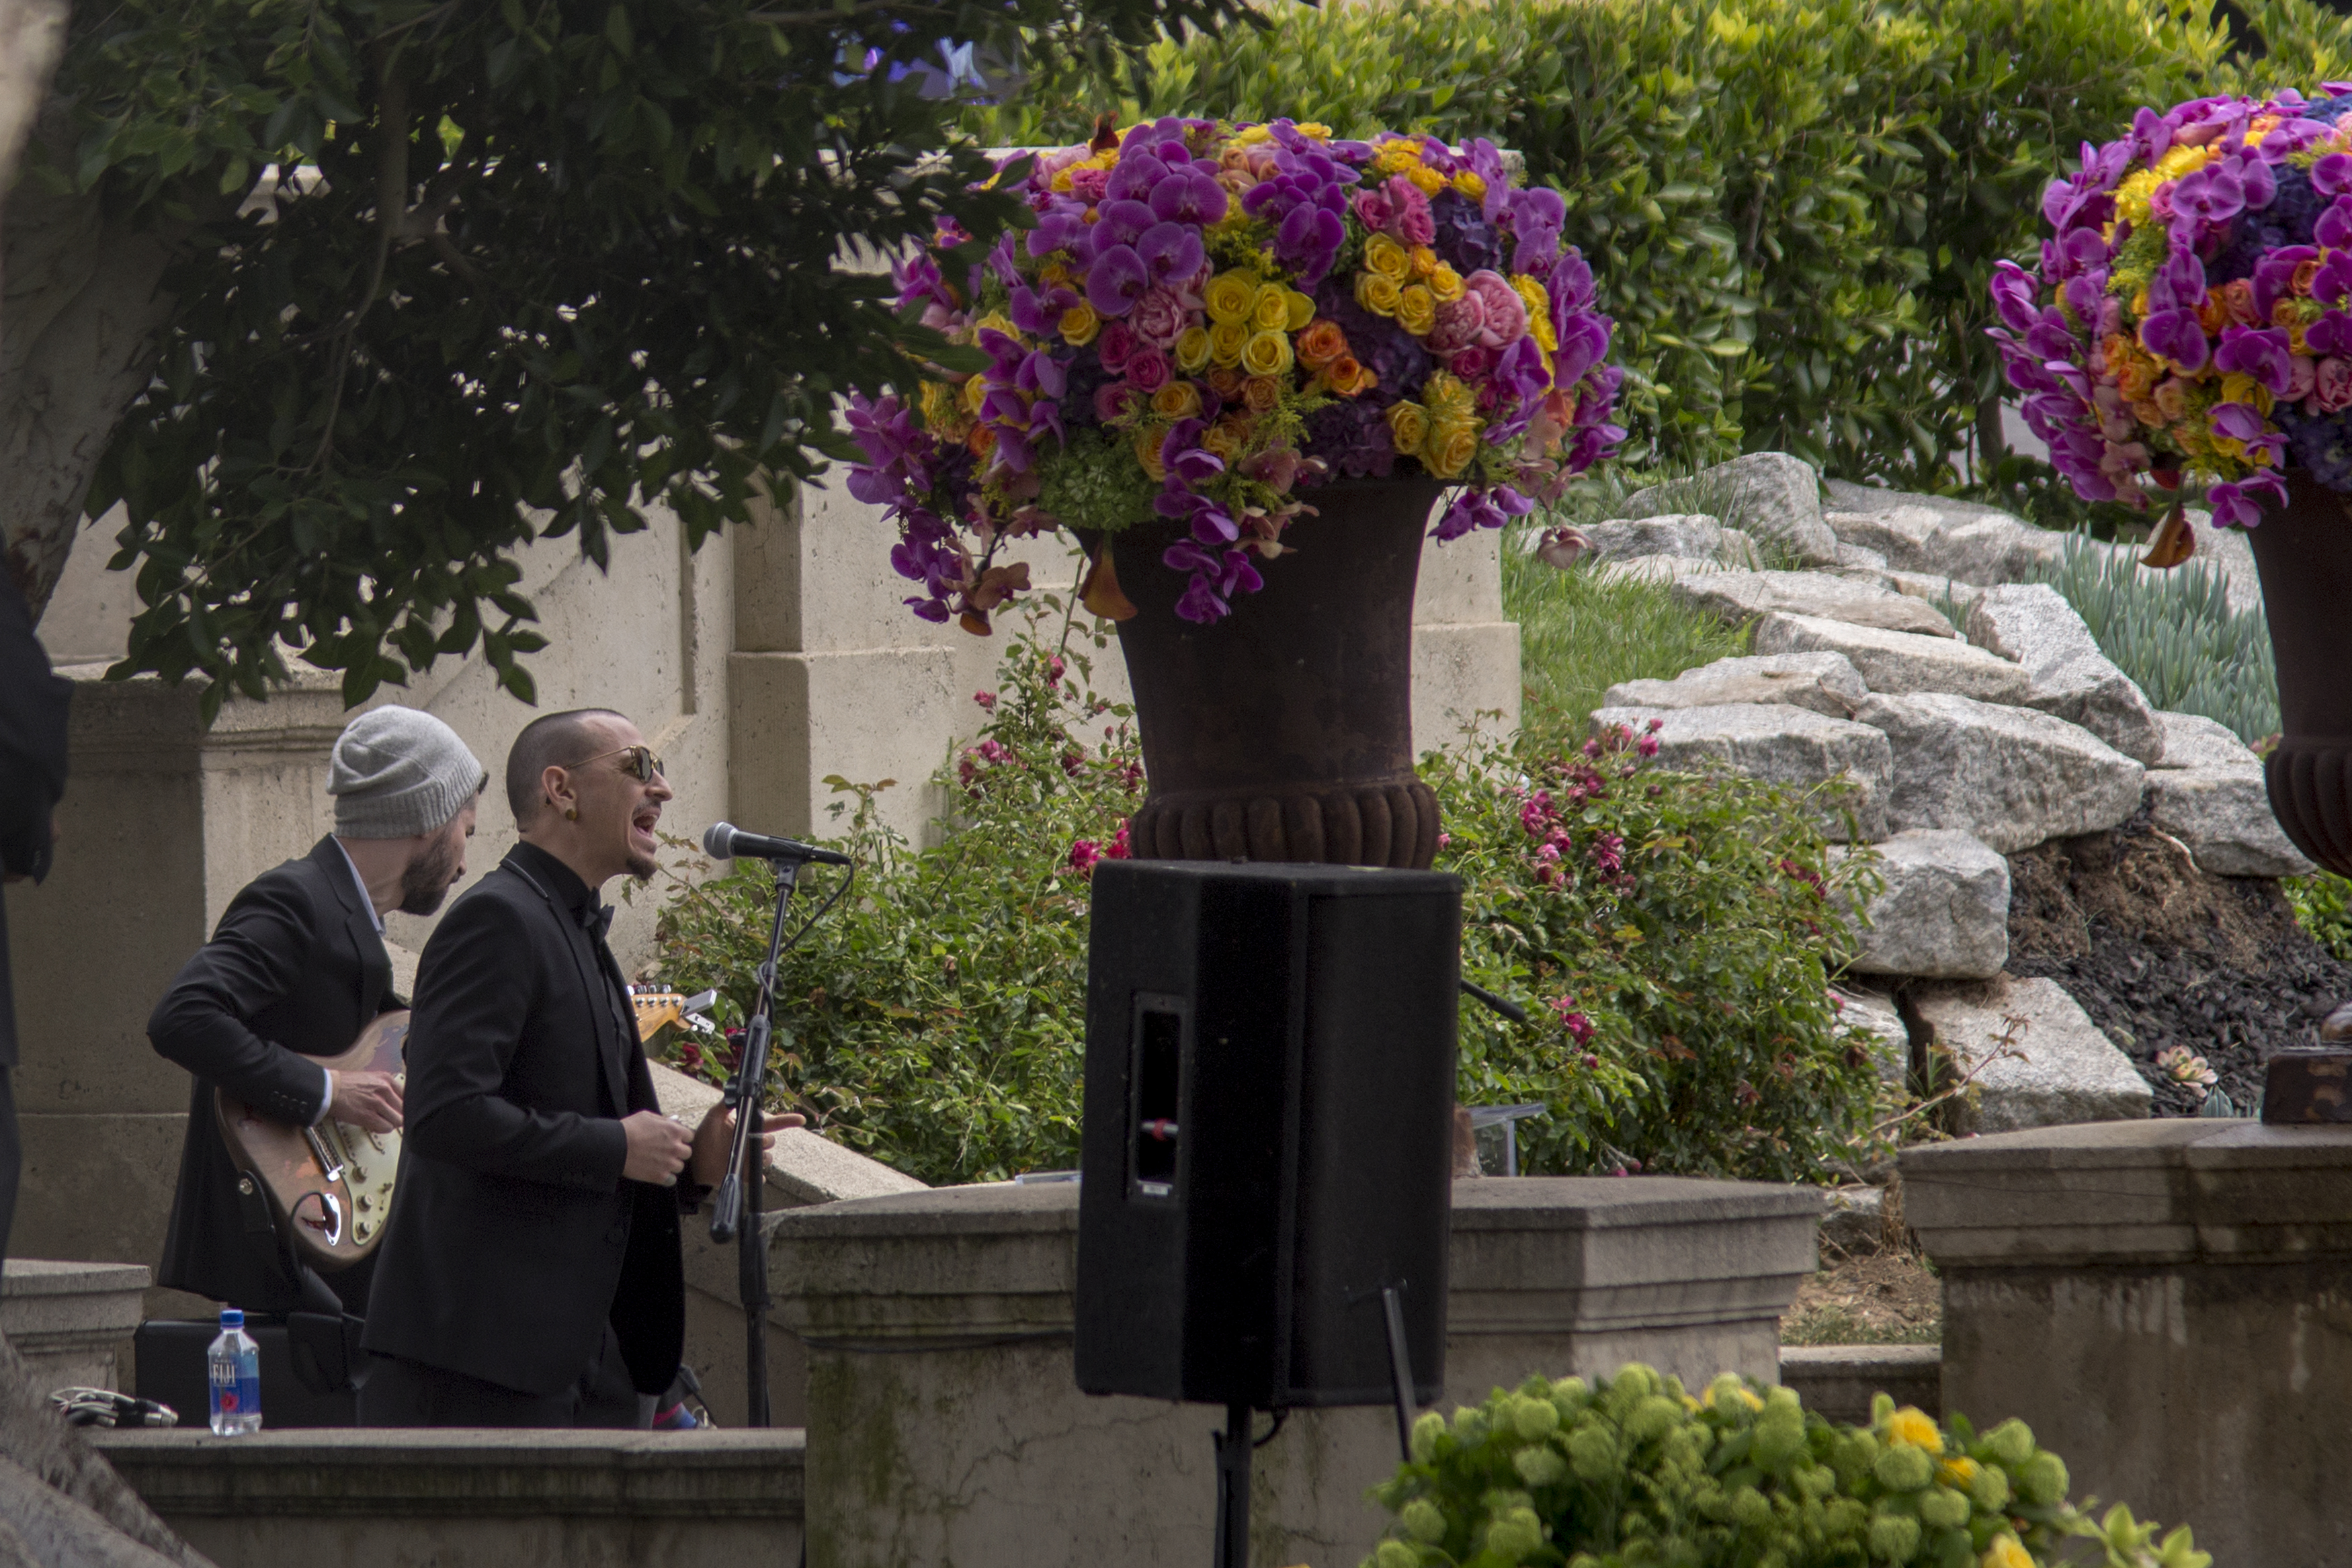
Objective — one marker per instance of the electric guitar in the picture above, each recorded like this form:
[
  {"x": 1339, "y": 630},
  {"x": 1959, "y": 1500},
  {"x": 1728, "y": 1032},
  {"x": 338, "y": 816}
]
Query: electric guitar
[{"x": 329, "y": 1187}]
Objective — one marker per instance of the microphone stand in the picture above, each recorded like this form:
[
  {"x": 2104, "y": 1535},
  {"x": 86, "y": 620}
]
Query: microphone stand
[{"x": 735, "y": 1213}]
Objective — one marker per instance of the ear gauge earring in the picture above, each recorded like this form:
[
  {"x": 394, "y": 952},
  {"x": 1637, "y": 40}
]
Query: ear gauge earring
[{"x": 571, "y": 813}]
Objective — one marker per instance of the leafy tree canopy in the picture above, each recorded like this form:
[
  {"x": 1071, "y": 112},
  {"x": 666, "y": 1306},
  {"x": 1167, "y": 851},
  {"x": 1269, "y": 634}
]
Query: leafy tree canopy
[{"x": 463, "y": 274}]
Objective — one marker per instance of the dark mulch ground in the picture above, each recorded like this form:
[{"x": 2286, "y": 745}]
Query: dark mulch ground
[
  {"x": 2161, "y": 955},
  {"x": 1885, "y": 1297}
]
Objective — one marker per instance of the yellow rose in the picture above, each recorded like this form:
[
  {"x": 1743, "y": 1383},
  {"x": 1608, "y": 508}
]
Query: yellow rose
[
  {"x": 1470, "y": 185},
  {"x": 939, "y": 404},
  {"x": 1146, "y": 451},
  {"x": 1408, "y": 427},
  {"x": 1449, "y": 446},
  {"x": 1079, "y": 324},
  {"x": 1177, "y": 399},
  {"x": 1060, "y": 181},
  {"x": 1271, "y": 311},
  {"x": 1445, "y": 283},
  {"x": 1002, "y": 323},
  {"x": 975, "y": 392},
  {"x": 1377, "y": 294},
  {"x": 1227, "y": 341},
  {"x": 1192, "y": 349},
  {"x": 2005, "y": 1553},
  {"x": 1395, "y": 157},
  {"x": 2239, "y": 387},
  {"x": 1416, "y": 310},
  {"x": 1224, "y": 439},
  {"x": 1385, "y": 256},
  {"x": 1301, "y": 311},
  {"x": 1430, "y": 180},
  {"x": 1055, "y": 273},
  {"x": 1266, "y": 354},
  {"x": 1915, "y": 1427},
  {"x": 1230, "y": 296},
  {"x": 1538, "y": 298},
  {"x": 1447, "y": 397},
  {"x": 1315, "y": 130},
  {"x": 1249, "y": 135},
  {"x": 1424, "y": 262}
]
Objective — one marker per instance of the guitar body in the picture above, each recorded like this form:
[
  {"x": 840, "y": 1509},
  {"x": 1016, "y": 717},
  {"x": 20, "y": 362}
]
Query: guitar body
[{"x": 329, "y": 1187}]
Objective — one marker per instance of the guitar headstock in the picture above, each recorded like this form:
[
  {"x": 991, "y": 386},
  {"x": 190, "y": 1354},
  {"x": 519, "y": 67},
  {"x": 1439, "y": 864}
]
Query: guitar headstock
[{"x": 656, "y": 1004}]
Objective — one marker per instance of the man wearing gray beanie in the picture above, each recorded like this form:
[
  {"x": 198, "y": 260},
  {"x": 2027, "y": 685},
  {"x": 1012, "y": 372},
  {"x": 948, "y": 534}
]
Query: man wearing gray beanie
[{"x": 295, "y": 970}]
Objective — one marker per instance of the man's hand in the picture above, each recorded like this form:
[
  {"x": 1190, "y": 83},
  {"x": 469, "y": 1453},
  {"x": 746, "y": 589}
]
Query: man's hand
[
  {"x": 717, "y": 1135},
  {"x": 657, "y": 1148},
  {"x": 369, "y": 1100}
]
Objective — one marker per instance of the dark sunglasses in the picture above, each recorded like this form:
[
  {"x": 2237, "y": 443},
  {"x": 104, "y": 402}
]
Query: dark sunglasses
[{"x": 641, "y": 764}]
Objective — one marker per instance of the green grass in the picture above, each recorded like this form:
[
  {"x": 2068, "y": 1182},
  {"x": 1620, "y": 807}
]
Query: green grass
[{"x": 1836, "y": 1325}]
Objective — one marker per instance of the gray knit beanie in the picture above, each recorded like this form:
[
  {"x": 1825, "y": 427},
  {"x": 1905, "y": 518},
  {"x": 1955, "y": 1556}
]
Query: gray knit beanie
[{"x": 397, "y": 773}]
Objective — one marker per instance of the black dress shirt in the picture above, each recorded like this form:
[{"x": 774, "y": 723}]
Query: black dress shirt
[
  {"x": 513, "y": 1238},
  {"x": 32, "y": 773}
]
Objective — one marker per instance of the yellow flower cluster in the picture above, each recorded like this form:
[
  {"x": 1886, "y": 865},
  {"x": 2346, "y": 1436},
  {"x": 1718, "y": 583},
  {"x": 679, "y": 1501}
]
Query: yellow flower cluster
[
  {"x": 1407, "y": 285},
  {"x": 1441, "y": 430},
  {"x": 1400, "y": 156}
]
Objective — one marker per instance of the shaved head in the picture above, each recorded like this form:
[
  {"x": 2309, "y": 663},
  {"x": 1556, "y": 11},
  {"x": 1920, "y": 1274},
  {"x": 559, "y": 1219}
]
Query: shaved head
[{"x": 555, "y": 740}]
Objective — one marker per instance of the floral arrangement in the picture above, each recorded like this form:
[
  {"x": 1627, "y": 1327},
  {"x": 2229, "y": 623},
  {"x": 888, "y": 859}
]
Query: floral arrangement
[
  {"x": 1636, "y": 1469},
  {"x": 1206, "y": 322},
  {"x": 2193, "y": 310}
]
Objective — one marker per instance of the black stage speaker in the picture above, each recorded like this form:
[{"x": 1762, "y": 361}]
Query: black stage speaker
[{"x": 1269, "y": 1129}]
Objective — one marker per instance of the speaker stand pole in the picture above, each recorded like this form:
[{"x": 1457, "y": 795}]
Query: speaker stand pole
[
  {"x": 735, "y": 1210},
  {"x": 1234, "y": 1488}
]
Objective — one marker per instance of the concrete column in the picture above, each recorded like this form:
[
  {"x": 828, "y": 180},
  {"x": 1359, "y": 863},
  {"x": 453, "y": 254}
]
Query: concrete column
[
  {"x": 163, "y": 821},
  {"x": 72, "y": 1322},
  {"x": 2168, "y": 1305},
  {"x": 945, "y": 1427}
]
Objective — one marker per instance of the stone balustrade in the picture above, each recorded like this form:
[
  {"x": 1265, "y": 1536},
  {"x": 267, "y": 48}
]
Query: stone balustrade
[
  {"x": 945, "y": 1424},
  {"x": 72, "y": 1322}
]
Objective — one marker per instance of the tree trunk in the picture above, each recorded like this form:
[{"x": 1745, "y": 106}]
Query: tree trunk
[{"x": 81, "y": 313}]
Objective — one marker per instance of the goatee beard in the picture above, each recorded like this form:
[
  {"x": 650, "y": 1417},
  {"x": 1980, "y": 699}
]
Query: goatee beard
[{"x": 426, "y": 881}]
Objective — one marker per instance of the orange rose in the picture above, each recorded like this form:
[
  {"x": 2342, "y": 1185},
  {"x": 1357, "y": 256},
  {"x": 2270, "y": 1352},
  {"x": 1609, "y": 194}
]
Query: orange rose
[
  {"x": 2302, "y": 277},
  {"x": 1342, "y": 375},
  {"x": 1261, "y": 394},
  {"x": 1226, "y": 382},
  {"x": 2213, "y": 313},
  {"x": 1321, "y": 343},
  {"x": 2238, "y": 295}
]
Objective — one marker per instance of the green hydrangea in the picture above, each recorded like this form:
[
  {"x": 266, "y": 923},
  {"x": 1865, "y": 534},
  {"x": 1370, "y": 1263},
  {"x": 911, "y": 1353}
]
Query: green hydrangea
[{"x": 1630, "y": 1470}]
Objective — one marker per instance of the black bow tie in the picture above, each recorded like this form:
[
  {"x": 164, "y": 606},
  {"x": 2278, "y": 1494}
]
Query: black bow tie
[{"x": 597, "y": 920}]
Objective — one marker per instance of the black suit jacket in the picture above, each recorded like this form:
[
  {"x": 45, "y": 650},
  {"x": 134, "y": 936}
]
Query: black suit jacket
[
  {"x": 513, "y": 1238},
  {"x": 294, "y": 971},
  {"x": 32, "y": 771}
]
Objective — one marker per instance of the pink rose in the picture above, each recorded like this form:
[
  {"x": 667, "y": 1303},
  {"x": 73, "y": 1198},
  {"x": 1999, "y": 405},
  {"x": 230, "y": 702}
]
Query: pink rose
[
  {"x": 1090, "y": 185},
  {"x": 1470, "y": 363},
  {"x": 1147, "y": 369},
  {"x": 1116, "y": 345},
  {"x": 2332, "y": 383},
  {"x": 1375, "y": 210},
  {"x": 1505, "y": 313},
  {"x": 2300, "y": 375},
  {"x": 1413, "y": 223},
  {"x": 1114, "y": 399},
  {"x": 1159, "y": 318},
  {"x": 1458, "y": 324}
]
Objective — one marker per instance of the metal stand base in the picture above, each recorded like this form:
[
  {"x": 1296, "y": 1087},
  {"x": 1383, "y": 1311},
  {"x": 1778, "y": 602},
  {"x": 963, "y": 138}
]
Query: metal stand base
[{"x": 1234, "y": 1488}]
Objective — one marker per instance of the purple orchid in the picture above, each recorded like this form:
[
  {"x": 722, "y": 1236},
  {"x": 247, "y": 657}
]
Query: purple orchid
[
  {"x": 2333, "y": 228},
  {"x": 1117, "y": 279},
  {"x": 2331, "y": 334},
  {"x": 2239, "y": 504},
  {"x": 2334, "y": 281},
  {"x": 2274, "y": 276},
  {"x": 1170, "y": 252},
  {"x": 1536, "y": 217},
  {"x": 1189, "y": 195},
  {"x": 2014, "y": 293},
  {"x": 2212, "y": 195},
  {"x": 2332, "y": 175}
]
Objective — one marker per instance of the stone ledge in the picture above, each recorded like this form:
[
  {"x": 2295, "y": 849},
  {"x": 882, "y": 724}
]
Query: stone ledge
[
  {"x": 344, "y": 1472},
  {"x": 1838, "y": 1380}
]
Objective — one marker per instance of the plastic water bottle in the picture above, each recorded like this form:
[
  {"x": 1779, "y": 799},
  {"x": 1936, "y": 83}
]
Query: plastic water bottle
[{"x": 234, "y": 1369}]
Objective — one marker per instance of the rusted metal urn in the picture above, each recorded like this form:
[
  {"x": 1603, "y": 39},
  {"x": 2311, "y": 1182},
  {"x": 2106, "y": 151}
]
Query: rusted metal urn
[
  {"x": 2304, "y": 551},
  {"x": 1283, "y": 732}
]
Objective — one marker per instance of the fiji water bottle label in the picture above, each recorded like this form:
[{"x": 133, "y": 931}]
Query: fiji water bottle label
[{"x": 237, "y": 1388}]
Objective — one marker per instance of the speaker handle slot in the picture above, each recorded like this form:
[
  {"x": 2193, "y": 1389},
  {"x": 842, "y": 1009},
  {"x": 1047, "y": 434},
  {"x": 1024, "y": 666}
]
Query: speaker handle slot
[{"x": 1157, "y": 1049}]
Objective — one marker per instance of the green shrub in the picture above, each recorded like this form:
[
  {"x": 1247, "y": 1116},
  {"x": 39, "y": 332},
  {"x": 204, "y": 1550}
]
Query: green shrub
[
  {"x": 1632, "y": 1472},
  {"x": 1667, "y": 947},
  {"x": 2175, "y": 633},
  {"x": 2323, "y": 906}
]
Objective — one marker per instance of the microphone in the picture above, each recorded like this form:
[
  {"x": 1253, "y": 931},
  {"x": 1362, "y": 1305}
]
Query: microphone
[{"x": 724, "y": 840}]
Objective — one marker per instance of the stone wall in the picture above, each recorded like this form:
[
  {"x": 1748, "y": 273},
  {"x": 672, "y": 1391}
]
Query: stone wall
[{"x": 774, "y": 656}]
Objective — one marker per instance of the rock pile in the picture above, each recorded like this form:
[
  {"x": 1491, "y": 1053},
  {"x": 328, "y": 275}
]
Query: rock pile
[{"x": 1975, "y": 725}]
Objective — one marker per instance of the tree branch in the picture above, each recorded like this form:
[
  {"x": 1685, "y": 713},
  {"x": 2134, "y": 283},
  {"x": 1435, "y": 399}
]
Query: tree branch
[{"x": 391, "y": 220}]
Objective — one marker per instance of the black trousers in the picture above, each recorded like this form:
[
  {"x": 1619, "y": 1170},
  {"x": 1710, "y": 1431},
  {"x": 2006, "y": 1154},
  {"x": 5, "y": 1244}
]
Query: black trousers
[
  {"x": 403, "y": 1393},
  {"x": 12, "y": 1153}
]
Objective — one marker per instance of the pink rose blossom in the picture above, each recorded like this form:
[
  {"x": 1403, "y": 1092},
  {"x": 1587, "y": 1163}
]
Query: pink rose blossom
[
  {"x": 1159, "y": 318},
  {"x": 1374, "y": 210},
  {"x": 1470, "y": 363},
  {"x": 1090, "y": 185},
  {"x": 1413, "y": 223},
  {"x": 2332, "y": 383},
  {"x": 1506, "y": 313},
  {"x": 1114, "y": 400},
  {"x": 1147, "y": 369},
  {"x": 1116, "y": 344},
  {"x": 2302, "y": 373},
  {"x": 1458, "y": 324}
]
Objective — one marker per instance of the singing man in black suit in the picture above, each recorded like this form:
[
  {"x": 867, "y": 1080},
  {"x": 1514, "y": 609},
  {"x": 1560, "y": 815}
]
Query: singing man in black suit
[
  {"x": 295, "y": 968},
  {"x": 530, "y": 1274},
  {"x": 32, "y": 777}
]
